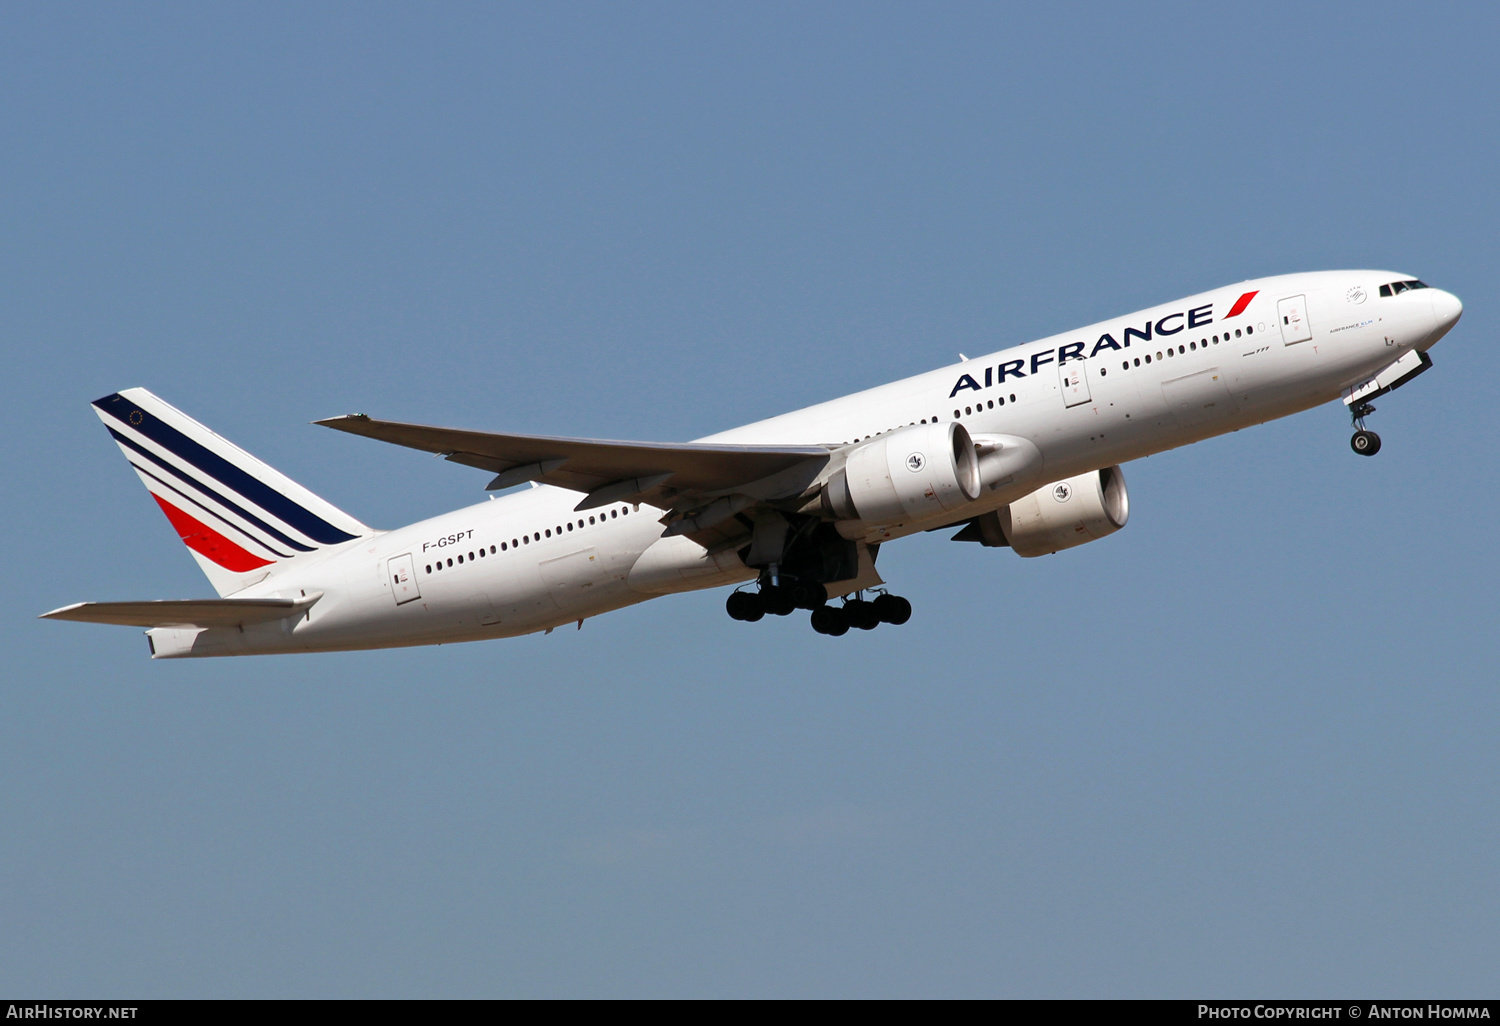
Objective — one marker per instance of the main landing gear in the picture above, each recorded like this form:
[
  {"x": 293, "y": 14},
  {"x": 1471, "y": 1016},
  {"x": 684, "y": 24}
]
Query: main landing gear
[
  {"x": 1366, "y": 443},
  {"x": 856, "y": 611}
]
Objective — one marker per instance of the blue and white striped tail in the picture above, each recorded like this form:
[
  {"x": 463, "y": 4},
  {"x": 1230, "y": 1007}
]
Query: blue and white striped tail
[{"x": 239, "y": 517}]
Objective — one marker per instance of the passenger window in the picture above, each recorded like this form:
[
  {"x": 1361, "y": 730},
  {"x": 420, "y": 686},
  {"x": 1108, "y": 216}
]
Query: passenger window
[
  {"x": 450, "y": 562},
  {"x": 1013, "y": 397},
  {"x": 1148, "y": 357},
  {"x": 429, "y": 568},
  {"x": 1103, "y": 371},
  {"x": 460, "y": 559},
  {"x": 1249, "y": 329},
  {"x": 570, "y": 525},
  {"x": 1236, "y": 332},
  {"x": 956, "y": 415},
  {"x": 613, "y": 513},
  {"x": 492, "y": 550}
]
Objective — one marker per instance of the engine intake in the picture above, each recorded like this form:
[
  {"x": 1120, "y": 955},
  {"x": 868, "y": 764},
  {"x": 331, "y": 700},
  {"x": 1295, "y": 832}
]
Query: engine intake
[
  {"x": 1067, "y": 513},
  {"x": 913, "y": 472}
]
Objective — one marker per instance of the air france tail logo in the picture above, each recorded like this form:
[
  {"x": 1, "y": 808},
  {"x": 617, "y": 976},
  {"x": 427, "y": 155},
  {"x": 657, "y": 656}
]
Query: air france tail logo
[{"x": 1171, "y": 324}]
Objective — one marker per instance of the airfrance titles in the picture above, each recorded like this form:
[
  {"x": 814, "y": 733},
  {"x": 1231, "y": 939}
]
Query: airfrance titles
[{"x": 1171, "y": 324}]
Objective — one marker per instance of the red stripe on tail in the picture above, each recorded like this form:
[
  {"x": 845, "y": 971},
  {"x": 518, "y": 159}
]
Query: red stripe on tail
[
  {"x": 1240, "y": 304},
  {"x": 205, "y": 540}
]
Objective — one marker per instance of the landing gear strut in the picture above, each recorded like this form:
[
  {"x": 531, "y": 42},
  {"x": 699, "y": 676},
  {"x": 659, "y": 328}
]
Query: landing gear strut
[{"x": 1364, "y": 442}]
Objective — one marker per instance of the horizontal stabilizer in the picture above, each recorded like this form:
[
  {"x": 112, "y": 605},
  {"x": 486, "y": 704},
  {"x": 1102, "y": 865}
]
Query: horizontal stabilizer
[
  {"x": 183, "y": 612},
  {"x": 588, "y": 465}
]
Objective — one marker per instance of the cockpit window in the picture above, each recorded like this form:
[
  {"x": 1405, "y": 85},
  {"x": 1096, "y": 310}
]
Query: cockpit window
[{"x": 1397, "y": 287}]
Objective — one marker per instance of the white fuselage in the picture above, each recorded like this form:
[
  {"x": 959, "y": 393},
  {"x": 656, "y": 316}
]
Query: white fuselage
[{"x": 1150, "y": 381}]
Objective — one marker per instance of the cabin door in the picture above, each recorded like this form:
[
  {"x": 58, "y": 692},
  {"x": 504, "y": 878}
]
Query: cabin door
[
  {"x": 1292, "y": 313},
  {"x": 403, "y": 575},
  {"x": 1074, "y": 380}
]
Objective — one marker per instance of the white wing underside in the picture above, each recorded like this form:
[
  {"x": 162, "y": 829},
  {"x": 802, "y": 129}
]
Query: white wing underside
[{"x": 667, "y": 475}]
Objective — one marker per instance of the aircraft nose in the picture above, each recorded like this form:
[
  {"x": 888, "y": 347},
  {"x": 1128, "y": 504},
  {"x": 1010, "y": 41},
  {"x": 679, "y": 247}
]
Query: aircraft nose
[{"x": 1446, "y": 308}]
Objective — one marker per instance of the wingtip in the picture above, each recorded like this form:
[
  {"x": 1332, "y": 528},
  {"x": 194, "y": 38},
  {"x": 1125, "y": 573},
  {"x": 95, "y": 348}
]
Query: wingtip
[
  {"x": 56, "y": 614},
  {"x": 339, "y": 421}
]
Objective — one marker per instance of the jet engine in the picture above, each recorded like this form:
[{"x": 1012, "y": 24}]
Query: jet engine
[
  {"x": 1066, "y": 513},
  {"x": 910, "y": 473}
]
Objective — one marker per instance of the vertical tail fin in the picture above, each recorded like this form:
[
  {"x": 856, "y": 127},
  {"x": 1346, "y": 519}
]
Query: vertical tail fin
[{"x": 240, "y": 518}]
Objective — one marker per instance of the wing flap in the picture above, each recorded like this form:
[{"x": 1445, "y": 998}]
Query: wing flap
[
  {"x": 183, "y": 612},
  {"x": 587, "y": 464}
]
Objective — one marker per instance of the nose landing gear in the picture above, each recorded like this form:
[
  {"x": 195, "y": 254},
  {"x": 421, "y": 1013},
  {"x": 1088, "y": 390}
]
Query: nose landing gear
[{"x": 1364, "y": 442}]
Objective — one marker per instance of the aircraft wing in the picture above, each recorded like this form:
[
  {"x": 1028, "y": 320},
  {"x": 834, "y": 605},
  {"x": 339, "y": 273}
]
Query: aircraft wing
[
  {"x": 183, "y": 612},
  {"x": 663, "y": 474}
]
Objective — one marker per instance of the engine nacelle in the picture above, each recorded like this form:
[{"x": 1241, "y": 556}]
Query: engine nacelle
[
  {"x": 910, "y": 473},
  {"x": 1067, "y": 513}
]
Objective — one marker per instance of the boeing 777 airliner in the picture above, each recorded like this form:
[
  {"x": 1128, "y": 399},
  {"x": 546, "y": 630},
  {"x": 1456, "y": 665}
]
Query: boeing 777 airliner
[{"x": 1020, "y": 448}]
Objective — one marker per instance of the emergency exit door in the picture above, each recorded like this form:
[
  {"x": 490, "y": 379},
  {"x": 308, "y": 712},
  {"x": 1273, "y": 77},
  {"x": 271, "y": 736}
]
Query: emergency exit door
[
  {"x": 1074, "y": 379},
  {"x": 403, "y": 576},
  {"x": 1292, "y": 313}
]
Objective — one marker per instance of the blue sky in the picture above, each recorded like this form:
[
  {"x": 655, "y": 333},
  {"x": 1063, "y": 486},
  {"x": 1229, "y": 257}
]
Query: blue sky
[{"x": 1245, "y": 746}]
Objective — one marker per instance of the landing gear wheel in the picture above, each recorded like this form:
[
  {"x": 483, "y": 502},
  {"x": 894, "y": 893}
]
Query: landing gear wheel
[
  {"x": 745, "y": 605},
  {"x": 1366, "y": 443},
  {"x": 808, "y": 594},
  {"x": 830, "y": 620},
  {"x": 862, "y": 614},
  {"x": 777, "y": 601},
  {"x": 892, "y": 609}
]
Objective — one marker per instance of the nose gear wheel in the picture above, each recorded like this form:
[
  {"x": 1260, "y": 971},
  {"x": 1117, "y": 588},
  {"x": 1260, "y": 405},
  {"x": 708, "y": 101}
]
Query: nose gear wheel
[{"x": 1365, "y": 442}]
